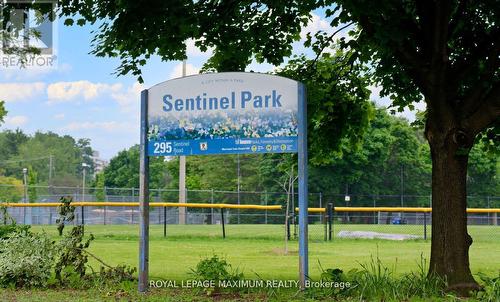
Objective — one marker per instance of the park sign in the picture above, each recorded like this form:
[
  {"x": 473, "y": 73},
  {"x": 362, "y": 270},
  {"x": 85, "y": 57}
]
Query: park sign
[{"x": 223, "y": 113}]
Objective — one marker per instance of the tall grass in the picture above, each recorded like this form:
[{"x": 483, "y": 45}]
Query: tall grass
[
  {"x": 377, "y": 282},
  {"x": 491, "y": 288}
]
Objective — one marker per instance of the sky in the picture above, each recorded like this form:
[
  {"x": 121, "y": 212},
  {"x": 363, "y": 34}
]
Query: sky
[{"x": 82, "y": 97}]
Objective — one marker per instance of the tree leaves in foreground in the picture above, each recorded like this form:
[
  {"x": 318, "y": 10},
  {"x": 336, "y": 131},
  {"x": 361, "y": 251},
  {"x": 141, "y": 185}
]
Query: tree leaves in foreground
[{"x": 338, "y": 106}]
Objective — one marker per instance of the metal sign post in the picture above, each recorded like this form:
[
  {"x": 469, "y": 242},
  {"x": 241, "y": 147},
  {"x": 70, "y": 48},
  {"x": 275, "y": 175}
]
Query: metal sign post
[
  {"x": 223, "y": 113},
  {"x": 144, "y": 197},
  {"x": 303, "y": 192}
]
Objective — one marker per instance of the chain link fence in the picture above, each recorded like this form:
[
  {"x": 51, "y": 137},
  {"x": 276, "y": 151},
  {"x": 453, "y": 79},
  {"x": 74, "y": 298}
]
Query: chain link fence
[{"x": 321, "y": 225}]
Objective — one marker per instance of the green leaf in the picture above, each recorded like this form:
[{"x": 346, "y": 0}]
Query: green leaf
[{"x": 69, "y": 22}]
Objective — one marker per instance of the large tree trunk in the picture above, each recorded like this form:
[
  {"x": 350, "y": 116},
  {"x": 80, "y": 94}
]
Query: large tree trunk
[{"x": 450, "y": 240}]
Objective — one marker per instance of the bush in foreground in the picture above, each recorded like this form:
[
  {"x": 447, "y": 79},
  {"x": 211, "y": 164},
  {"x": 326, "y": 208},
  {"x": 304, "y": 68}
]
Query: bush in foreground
[
  {"x": 26, "y": 260},
  {"x": 34, "y": 260}
]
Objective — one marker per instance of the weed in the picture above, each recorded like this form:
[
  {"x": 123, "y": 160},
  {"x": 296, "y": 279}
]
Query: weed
[{"x": 216, "y": 270}]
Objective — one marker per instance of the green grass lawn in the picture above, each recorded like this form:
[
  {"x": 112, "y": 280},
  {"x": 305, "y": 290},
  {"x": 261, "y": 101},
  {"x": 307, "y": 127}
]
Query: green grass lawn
[{"x": 259, "y": 249}]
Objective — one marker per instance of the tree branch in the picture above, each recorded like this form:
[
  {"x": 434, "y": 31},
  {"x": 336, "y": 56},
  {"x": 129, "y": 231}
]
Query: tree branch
[
  {"x": 457, "y": 16},
  {"x": 487, "y": 114},
  {"x": 442, "y": 12},
  {"x": 96, "y": 258},
  {"x": 327, "y": 43},
  {"x": 488, "y": 47},
  {"x": 417, "y": 69},
  {"x": 434, "y": 18},
  {"x": 470, "y": 100}
]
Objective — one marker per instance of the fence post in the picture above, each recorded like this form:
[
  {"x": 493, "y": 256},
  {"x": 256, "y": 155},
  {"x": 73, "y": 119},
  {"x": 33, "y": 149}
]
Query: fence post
[
  {"x": 265, "y": 201},
  {"x": 425, "y": 225},
  {"x": 212, "y": 209},
  {"x": 321, "y": 205},
  {"x": 105, "y": 210},
  {"x": 222, "y": 222},
  {"x": 164, "y": 221},
  {"x": 488, "y": 201},
  {"x": 330, "y": 220},
  {"x": 132, "y": 216},
  {"x": 83, "y": 215},
  {"x": 325, "y": 224}
]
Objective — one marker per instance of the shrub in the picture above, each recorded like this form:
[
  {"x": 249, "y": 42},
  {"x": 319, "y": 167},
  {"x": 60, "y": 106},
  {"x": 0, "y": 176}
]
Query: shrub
[
  {"x": 26, "y": 260},
  {"x": 29, "y": 259},
  {"x": 9, "y": 230},
  {"x": 215, "y": 269},
  {"x": 109, "y": 277},
  {"x": 8, "y": 225},
  {"x": 72, "y": 252}
]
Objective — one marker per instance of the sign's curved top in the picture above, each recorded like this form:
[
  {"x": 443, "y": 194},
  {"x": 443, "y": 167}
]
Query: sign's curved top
[
  {"x": 231, "y": 112},
  {"x": 254, "y": 75}
]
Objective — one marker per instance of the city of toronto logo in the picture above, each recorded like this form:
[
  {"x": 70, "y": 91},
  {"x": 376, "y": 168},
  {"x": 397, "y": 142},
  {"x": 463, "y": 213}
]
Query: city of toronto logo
[{"x": 28, "y": 34}]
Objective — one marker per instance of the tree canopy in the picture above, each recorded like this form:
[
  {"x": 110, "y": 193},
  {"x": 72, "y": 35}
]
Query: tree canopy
[
  {"x": 237, "y": 30},
  {"x": 51, "y": 159},
  {"x": 3, "y": 111}
]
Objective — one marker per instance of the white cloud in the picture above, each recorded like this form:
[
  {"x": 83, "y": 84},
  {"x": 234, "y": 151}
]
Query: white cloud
[
  {"x": 15, "y": 121},
  {"x": 68, "y": 91},
  {"x": 190, "y": 70},
  {"x": 30, "y": 73},
  {"x": 59, "y": 116},
  {"x": 12, "y": 92},
  {"x": 315, "y": 24},
  {"x": 193, "y": 51},
  {"x": 261, "y": 67},
  {"x": 129, "y": 98},
  {"x": 111, "y": 126}
]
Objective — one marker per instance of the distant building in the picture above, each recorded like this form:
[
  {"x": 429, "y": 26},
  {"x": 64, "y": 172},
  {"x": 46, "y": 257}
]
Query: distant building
[{"x": 99, "y": 163}]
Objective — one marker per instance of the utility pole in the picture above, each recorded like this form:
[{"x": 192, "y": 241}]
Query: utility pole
[
  {"x": 84, "y": 172},
  {"x": 50, "y": 169},
  {"x": 347, "y": 199},
  {"x": 27, "y": 210},
  {"x": 182, "y": 173}
]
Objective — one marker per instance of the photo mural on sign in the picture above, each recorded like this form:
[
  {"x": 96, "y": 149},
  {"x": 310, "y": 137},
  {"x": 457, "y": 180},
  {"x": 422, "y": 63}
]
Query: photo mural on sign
[{"x": 223, "y": 113}]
